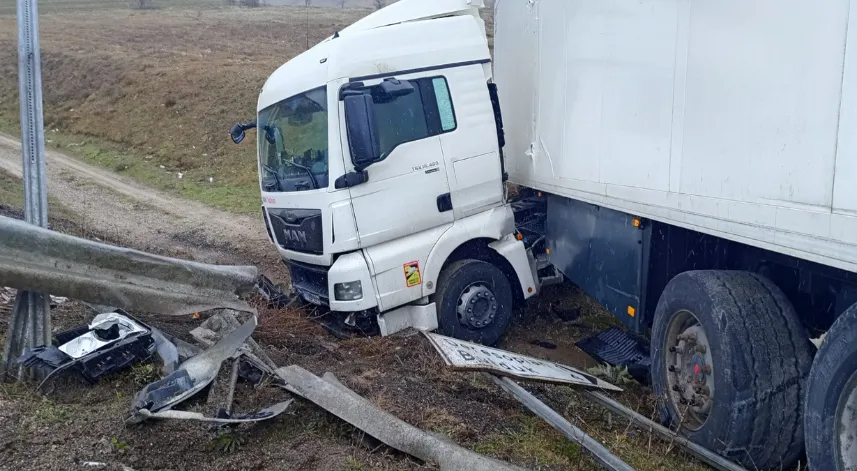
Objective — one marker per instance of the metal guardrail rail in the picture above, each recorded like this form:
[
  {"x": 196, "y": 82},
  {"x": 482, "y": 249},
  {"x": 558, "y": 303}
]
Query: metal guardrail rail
[{"x": 38, "y": 260}]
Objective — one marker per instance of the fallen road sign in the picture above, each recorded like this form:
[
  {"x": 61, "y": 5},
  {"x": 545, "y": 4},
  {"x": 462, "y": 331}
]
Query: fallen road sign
[{"x": 462, "y": 355}]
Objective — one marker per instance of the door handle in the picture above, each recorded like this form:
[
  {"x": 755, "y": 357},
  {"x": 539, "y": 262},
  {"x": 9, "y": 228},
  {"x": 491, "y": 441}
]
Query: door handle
[{"x": 444, "y": 202}]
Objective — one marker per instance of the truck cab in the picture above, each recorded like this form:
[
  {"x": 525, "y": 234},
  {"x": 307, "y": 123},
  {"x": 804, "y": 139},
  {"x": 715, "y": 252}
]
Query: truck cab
[{"x": 381, "y": 173}]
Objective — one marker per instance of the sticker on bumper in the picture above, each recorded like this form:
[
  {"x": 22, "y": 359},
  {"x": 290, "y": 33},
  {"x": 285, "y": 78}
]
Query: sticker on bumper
[{"x": 412, "y": 274}]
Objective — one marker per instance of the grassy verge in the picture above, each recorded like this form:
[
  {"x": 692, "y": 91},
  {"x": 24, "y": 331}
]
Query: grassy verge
[
  {"x": 194, "y": 184},
  {"x": 12, "y": 199}
]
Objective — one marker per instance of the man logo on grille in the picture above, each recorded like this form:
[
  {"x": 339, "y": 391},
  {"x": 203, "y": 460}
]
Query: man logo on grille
[{"x": 295, "y": 236}]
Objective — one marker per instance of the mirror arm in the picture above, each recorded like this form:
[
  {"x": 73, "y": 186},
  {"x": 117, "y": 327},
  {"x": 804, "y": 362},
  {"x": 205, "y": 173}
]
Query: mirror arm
[
  {"x": 351, "y": 89},
  {"x": 351, "y": 179}
]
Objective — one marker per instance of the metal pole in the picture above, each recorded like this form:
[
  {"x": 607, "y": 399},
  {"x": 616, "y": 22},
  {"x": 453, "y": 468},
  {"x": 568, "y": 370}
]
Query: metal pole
[
  {"x": 698, "y": 451},
  {"x": 601, "y": 454},
  {"x": 30, "y": 324}
]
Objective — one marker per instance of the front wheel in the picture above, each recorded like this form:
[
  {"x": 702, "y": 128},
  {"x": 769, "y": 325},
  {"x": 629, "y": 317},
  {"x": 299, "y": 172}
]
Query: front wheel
[
  {"x": 830, "y": 410},
  {"x": 474, "y": 302}
]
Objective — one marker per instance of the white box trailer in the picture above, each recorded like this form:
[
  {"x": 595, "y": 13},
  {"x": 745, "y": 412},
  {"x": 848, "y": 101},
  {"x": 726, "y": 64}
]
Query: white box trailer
[
  {"x": 728, "y": 117},
  {"x": 698, "y": 160}
]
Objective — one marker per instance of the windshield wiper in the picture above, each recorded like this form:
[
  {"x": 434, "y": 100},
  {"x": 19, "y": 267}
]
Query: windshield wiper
[
  {"x": 305, "y": 169},
  {"x": 275, "y": 174}
]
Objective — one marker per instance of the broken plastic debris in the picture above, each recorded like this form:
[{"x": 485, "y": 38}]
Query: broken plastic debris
[
  {"x": 263, "y": 414},
  {"x": 7, "y": 295},
  {"x": 191, "y": 377},
  {"x": 57, "y": 300},
  {"x": 110, "y": 343},
  {"x": 274, "y": 294},
  {"x": 104, "y": 330}
]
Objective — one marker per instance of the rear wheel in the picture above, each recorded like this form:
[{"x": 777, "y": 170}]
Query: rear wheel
[
  {"x": 729, "y": 361},
  {"x": 830, "y": 413},
  {"x": 474, "y": 301}
]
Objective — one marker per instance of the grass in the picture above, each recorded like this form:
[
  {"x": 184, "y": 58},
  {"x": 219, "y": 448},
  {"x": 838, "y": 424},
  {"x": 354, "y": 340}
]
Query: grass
[
  {"x": 194, "y": 184},
  {"x": 531, "y": 436},
  {"x": 12, "y": 197},
  {"x": 51, "y": 413},
  {"x": 144, "y": 373}
]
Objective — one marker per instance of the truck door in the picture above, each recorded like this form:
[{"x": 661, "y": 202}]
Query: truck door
[{"x": 407, "y": 191}]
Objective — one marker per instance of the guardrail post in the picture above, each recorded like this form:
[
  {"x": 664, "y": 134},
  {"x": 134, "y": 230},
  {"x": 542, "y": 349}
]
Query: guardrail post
[{"x": 30, "y": 324}]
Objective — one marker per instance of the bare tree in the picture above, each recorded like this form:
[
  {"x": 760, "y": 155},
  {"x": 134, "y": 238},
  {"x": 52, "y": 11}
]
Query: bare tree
[
  {"x": 379, "y": 4},
  {"x": 342, "y": 4},
  {"x": 308, "y": 3}
]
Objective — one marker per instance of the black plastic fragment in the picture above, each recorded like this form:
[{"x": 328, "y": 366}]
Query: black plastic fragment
[
  {"x": 162, "y": 393},
  {"x": 544, "y": 344},
  {"x": 619, "y": 348},
  {"x": 566, "y": 315},
  {"x": 273, "y": 294},
  {"x": 46, "y": 358},
  {"x": 116, "y": 357},
  {"x": 107, "y": 360}
]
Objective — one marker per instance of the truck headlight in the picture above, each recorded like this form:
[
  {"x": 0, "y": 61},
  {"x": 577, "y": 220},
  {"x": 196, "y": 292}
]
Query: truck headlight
[{"x": 351, "y": 291}]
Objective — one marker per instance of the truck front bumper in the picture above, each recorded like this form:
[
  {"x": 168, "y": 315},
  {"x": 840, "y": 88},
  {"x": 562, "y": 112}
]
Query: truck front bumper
[{"x": 344, "y": 287}]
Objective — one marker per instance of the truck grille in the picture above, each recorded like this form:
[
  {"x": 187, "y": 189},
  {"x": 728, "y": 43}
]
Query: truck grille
[{"x": 298, "y": 229}]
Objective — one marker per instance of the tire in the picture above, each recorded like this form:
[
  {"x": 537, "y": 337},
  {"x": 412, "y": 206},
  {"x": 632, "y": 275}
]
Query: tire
[
  {"x": 466, "y": 280},
  {"x": 830, "y": 384},
  {"x": 761, "y": 358}
]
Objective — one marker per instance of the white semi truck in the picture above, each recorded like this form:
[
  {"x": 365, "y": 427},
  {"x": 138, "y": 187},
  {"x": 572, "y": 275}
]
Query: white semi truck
[{"x": 690, "y": 164}]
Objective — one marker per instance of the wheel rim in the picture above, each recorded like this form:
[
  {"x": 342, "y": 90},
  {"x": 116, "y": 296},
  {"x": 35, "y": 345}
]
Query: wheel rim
[
  {"x": 846, "y": 426},
  {"x": 690, "y": 369},
  {"x": 477, "y": 306}
]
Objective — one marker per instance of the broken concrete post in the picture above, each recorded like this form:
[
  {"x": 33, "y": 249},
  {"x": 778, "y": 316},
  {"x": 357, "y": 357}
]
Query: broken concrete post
[{"x": 385, "y": 427}]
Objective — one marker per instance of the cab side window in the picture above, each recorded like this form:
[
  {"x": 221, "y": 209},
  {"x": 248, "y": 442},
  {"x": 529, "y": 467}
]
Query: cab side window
[{"x": 426, "y": 112}]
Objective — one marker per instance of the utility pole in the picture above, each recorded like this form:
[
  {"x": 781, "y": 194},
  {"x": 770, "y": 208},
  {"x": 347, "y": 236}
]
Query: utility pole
[{"x": 30, "y": 324}]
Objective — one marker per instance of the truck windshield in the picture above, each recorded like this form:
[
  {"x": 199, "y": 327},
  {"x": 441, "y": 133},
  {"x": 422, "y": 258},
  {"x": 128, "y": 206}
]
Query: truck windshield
[{"x": 293, "y": 143}]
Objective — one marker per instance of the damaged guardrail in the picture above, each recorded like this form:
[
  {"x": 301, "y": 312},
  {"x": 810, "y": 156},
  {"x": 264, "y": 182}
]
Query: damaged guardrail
[{"x": 39, "y": 260}]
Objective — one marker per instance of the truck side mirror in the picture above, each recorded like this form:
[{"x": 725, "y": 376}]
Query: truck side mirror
[
  {"x": 362, "y": 131},
  {"x": 237, "y": 133}
]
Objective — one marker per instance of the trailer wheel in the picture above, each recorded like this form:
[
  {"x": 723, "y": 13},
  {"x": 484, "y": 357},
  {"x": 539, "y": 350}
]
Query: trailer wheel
[
  {"x": 830, "y": 411},
  {"x": 730, "y": 360},
  {"x": 474, "y": 301}
]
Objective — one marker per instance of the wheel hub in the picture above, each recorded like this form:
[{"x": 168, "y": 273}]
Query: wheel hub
[
  {"x": 477, "y": 306},
  {"x": 690, "y": 370}
]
